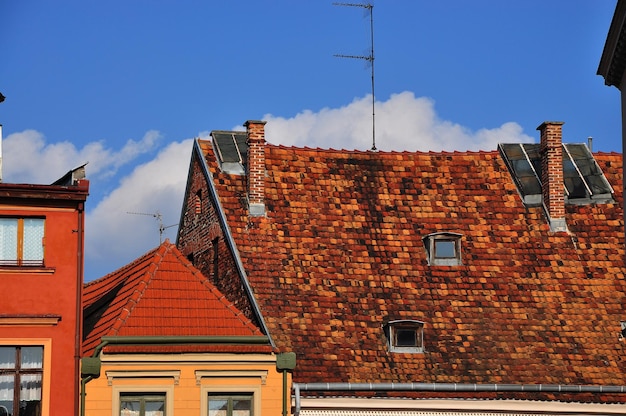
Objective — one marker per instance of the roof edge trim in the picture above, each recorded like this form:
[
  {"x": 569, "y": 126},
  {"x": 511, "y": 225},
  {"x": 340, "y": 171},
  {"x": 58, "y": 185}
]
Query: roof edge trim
[{"x": 229, "y": 239}]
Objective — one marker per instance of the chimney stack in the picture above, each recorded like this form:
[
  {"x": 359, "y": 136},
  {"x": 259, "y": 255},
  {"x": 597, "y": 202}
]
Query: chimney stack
[
  {"x": 553, "y": 186},
  {"x": 256, "y": 167}
]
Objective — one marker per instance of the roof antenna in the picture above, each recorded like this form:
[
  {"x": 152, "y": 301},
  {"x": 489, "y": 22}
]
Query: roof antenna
[
  {"x": 369, "y": 58},
  {"x": 159, "y": 218}
]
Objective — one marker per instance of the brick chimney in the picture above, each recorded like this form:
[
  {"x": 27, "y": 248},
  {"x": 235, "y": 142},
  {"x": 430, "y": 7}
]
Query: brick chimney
[
  {"x": 256, "y": 167},
  {"x": 553, "y": 186}
]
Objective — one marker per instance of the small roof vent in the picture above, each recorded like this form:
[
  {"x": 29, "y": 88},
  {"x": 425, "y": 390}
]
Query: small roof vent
[{"x": 231, "y": 149}]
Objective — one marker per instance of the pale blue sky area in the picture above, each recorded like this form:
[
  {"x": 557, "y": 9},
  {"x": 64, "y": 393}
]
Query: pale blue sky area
[{"x": 119, "y": 81}]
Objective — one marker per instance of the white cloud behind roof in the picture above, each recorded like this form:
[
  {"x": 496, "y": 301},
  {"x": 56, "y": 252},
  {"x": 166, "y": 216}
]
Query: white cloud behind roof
[{"x": 156, "y": 186}]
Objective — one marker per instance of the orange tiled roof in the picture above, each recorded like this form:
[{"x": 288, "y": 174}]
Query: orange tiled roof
[
  {"x": 340, "y": 251},
  {"x": 161, "y": 294}
]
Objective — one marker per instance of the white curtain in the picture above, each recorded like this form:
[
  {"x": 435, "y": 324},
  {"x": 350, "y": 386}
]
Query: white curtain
[
  {"x": 33, "y": 240},
  {"x": 30, "y": 387},
  {"x": 8, "y": 239}
]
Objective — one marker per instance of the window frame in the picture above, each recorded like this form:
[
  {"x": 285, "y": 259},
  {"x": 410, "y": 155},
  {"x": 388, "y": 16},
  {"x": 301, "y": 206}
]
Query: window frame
[
  {"x": 17, "y": 371},
  {"x": 432, "y": 240},
  {"x": 229, "y": 397},
  {"x": 143, "y": 399},
  {"x": 392, "y": 330},
  {"x": 249, "y": 384},
  {"x": 18, "y": 260},
  {"x": 138, "y": 386}
]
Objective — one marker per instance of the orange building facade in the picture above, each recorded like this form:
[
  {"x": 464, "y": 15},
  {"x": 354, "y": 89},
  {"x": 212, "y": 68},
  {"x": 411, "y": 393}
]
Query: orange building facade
[{"x": 41, "y": 267}]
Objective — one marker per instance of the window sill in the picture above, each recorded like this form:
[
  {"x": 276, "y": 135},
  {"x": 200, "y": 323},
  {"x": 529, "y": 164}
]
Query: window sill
[{"x": 27, "y": 269}]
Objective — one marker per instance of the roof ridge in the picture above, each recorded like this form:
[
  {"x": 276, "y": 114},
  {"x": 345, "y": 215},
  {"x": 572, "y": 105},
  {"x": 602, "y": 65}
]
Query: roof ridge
[{"x": 385, "y": 152}]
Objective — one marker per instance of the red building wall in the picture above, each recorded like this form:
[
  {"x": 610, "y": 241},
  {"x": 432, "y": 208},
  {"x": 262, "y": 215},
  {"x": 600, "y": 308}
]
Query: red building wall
[{"x": 41, "y": 305}]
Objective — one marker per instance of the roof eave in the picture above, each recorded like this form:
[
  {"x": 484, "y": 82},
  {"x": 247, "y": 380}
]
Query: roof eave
[{"x": 613, "y": 60}]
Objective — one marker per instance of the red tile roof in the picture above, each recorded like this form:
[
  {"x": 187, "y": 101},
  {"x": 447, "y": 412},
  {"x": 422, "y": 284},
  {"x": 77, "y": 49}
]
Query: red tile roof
[
  {"x": 339, "y": 252},
  {"x": 161, "y": 294}
]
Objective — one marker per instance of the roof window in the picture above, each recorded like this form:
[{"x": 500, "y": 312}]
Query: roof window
[
  {"x": 405, "y": 336},
  {"x": 231, "y": 149},
  {"x": 583, "y": 179},
  {"x": 443, "y": 249}
]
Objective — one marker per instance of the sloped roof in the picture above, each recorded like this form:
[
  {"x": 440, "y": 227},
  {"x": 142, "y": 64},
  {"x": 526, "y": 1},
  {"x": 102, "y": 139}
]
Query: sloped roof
[
  {"x": 340, "y": 252},
  {"x": 161, "y": 295}
]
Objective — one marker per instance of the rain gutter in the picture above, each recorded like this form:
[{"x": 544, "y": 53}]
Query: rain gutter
[
  {"x": 228, "y": 237},
  {"x": 448, "y": 387}
]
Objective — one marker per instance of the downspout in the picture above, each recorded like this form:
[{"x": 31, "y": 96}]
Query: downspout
[
  {"x": 79, "y": 303},
  {"x": 448, "y": 387},
  {"x": 84, "y": 381},
  {"x": 284, "y": 392}
]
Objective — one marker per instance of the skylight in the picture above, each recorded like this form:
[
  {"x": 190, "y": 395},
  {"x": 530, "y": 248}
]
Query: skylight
[
  {"x": 583, "y": 179},
  {"x": 231, "y": 148}
]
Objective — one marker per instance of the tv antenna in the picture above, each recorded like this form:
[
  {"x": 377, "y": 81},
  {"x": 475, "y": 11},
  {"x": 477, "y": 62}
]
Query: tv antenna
[
  {"x": 369, "y": 58},
  {"x": 157, "y": 215}
]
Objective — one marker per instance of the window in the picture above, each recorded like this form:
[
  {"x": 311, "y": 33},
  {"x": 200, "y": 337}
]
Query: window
[
  {"x": 137, "y": 404},
  {"x": 583, "y": 180},
  {"x": 230, "y": 405},
  {"x": 405, "y": 336},
  {"x": 21, "y": 241},
  {"x": 443, "y": 249},
  {"x": 21, "y": 374}
]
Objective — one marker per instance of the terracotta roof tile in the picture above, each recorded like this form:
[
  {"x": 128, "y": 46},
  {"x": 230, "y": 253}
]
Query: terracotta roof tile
[
  {"x": 159, "y": 294},
  {"x": 340, "y": 251}
]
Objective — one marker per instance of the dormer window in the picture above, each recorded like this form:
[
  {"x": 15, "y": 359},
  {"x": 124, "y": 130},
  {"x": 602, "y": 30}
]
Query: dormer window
[
  {"x": 405, "y": 336},
  {"x": 443, "y": 249}
]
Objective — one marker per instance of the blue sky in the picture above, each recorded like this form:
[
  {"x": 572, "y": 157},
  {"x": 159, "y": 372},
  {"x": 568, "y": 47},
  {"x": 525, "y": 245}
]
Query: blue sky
[{"x": 125, "y": 85}]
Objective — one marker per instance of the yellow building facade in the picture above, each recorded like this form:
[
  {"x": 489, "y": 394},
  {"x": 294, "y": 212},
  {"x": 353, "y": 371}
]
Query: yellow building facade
[{"x": 187, "y": 384}]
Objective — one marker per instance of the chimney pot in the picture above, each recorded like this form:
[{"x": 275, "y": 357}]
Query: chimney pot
[{"x": 552, "y": 184}]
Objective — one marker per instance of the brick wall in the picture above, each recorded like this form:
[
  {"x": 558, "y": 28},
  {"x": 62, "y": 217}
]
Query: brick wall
[{"x": 198, "y": 234}]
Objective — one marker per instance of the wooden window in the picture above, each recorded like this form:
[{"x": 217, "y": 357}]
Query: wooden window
[
  {"x": 21, "y": 241},
  {"x": 21, "y": 379}
]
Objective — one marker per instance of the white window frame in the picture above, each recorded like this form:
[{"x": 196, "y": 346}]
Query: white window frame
[
  {"x": 430, "y": 242},
  {"x": 393, "y": 327},
  {"x": 119, "y": 390},
  {"x": 233, "y": 384}
]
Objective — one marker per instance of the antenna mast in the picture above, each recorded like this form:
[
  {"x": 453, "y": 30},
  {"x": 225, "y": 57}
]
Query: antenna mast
[
  {"x": 369, "y": 58},
  {"x": 157, "y": 215}
]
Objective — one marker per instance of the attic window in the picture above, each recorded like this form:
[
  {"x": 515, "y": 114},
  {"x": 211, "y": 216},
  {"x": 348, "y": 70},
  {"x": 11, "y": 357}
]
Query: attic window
[
  {"x": 583, "y": 180},
  {"x": 231, "y": 149},
  {"x": 443, "y": 249},
  {"x": 405, "y": 336}
]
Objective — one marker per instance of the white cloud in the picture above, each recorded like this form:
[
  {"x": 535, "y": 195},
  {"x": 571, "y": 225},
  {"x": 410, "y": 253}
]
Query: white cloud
[
  {"x": 122, "y": 226},
  {"x": 114, "y": 237},
  {"x": 403, "y": 122},
  {"x": 27, "y": 158}
]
